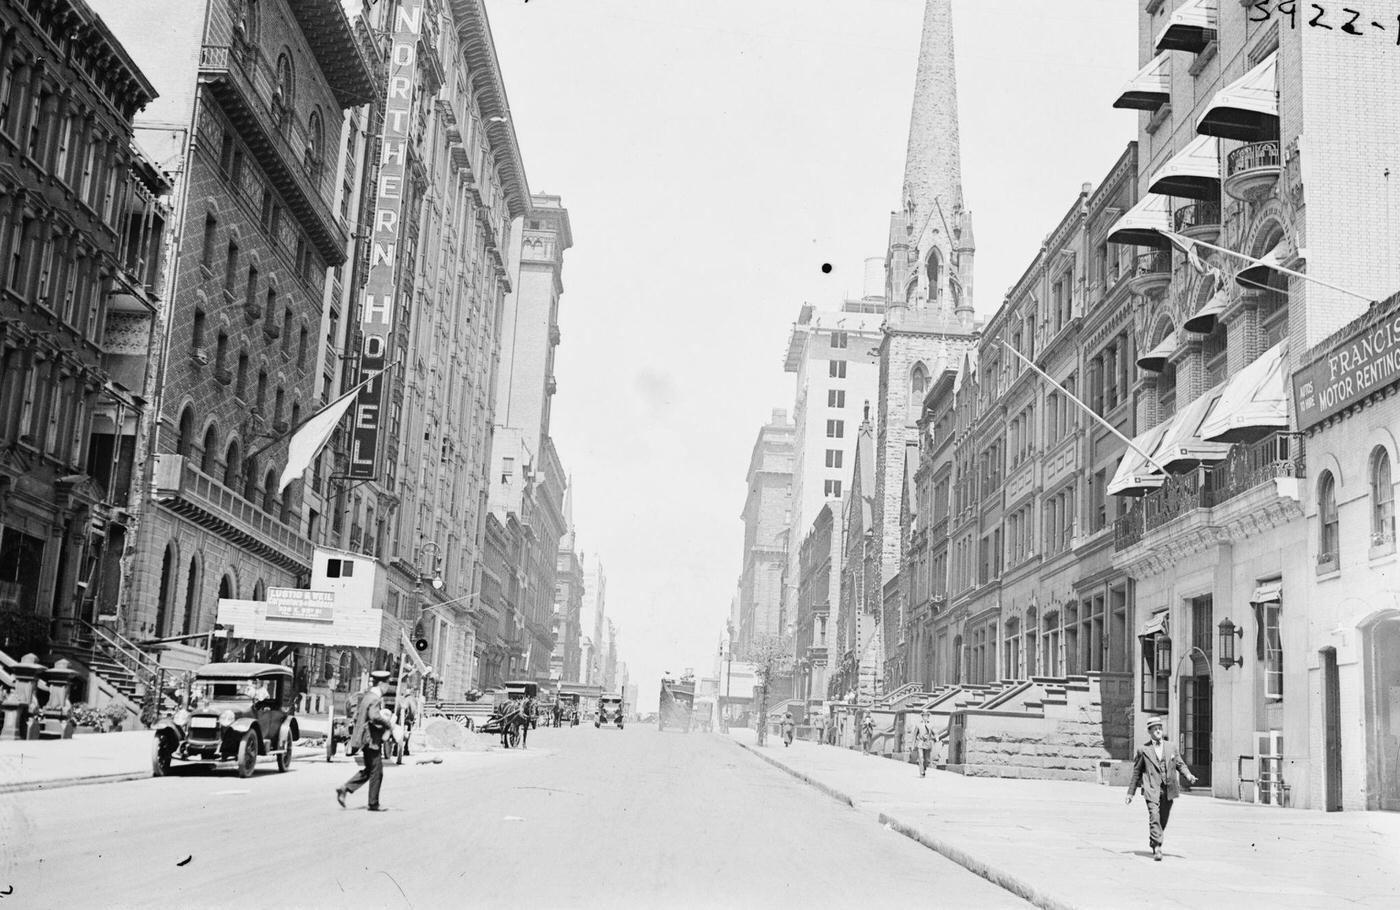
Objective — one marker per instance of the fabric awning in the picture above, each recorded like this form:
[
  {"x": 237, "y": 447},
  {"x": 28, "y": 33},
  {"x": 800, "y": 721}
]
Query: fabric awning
[
  {"x": 1191, "y": 27},
  {"x": 1135, "y": 474},
  {"x": 1270, "y": 592},
  {"x": 1203, "y": 323},
  {"x": 1192, "y": 173},
  {"x": 1142, "y": 224},
  {"x": 1257, "y": 276},
  {"x": 1246, "y": 109},
  {"x": 1155, "y": 360},
  {"x": 1182, "y": 447},
  {"x": 1254, "y": 403},
  {"x": 1158, "y": 623},
  {"x": 1150, "y": 88}
]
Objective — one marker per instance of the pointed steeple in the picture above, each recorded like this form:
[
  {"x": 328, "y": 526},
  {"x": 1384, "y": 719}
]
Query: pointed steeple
[{"x": 930, "y": 266}]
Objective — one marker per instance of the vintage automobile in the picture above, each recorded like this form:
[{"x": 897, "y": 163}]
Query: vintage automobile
[
  {"x": 235, "y": 714},
  {"x": 609, "y": 710},
  {"x": 568, "y": 709}
]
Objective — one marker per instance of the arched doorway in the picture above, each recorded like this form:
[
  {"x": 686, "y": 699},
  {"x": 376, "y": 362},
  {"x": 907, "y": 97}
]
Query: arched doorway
[
  {"x": 1381, "y": 642},
  {"x": 167, "y": 590}
]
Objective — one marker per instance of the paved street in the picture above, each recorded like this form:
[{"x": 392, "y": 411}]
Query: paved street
[{"x": 584, "y": 818}]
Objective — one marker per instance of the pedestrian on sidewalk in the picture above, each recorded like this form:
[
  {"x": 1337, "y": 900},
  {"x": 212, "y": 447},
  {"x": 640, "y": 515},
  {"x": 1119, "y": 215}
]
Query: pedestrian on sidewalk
[
  {"x": 867, "y": 733},
  {"x": 371, "y": 726},
  {"x": 924, "y": 736},
  {"x": 1157, "y": 768},
  {"x": 789, "y": 728}
]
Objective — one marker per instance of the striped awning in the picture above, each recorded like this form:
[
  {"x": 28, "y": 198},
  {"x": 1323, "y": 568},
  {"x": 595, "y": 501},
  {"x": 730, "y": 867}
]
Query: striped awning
[
  {"x": 1135, "y": 474},
  {"x": 1190, "y": 28},
  {"x": 1150, "y": 88},
  {"x": 1182, "y": 447},
  {"x": 1254, "y": 402},
  {"x": 1142, "y": 225},
  {"x": 1203, "y": 322},
  {"x": 1192, "y": 173},
  {"x": 1246, "y": 109},
  {"x": 1155, "y": 360}
]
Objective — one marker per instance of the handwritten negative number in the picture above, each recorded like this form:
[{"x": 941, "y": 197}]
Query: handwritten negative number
[{"x": 1289, "y": 8}]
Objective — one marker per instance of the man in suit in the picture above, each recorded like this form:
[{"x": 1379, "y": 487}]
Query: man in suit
[
  {"x": 368, "y": 734},
  {"x": 924, "y": 736},
  {"x": 1155, "y": 768}
]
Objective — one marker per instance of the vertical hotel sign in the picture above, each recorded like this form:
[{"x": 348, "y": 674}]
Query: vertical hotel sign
[{"x": 381, "y": 288}]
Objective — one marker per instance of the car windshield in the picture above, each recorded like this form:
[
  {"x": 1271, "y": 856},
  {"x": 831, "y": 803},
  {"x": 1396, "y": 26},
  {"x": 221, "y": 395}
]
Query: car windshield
[{"x": 210, "y": 691}]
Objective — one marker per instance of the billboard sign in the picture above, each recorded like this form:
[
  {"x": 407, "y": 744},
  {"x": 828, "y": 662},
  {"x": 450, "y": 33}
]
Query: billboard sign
[
  {"x": 296, "y": 604},
  {"x": 1356, "y": 367}
]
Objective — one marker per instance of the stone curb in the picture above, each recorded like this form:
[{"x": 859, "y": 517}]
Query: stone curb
[
  {"x": 60, "y": 782},
  {"x": 973, "y": 864}
]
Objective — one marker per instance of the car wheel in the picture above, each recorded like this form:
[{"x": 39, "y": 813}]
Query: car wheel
[
  {"x": 161, "y": 750},
  {"x": 284, "y": 757},
  {"x": 248, "y": 750}
]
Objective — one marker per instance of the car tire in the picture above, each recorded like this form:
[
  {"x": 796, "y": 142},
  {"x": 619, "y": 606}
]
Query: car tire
[
  {"x": 160, "y": 756},
  {"x": 248, "y": 749},
  {"x": 284, "y": 755}
]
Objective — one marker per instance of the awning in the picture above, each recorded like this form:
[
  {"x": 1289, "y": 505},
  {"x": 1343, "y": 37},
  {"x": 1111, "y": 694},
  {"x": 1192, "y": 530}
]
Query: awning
[
  {"x": 1193, "y": 172},
  {"x": 1150, "y": 88},
  {"x": 1270, "y": 592},
  {"x": 1155, "y": 360},
  {"x": 1190, "y": 28},
  {"x": 1203, "y": 323},
  {"x": 1254, "y": 403},
  {"x": 1246, "y": 109},
  {"x": 1257, "y": 276},
  {"x": 1182, "y": 447},
  {"x": 1142, "y": 224},
  {"x": 1135, "y": 474},
  {"x": 1158, "y": 623}
]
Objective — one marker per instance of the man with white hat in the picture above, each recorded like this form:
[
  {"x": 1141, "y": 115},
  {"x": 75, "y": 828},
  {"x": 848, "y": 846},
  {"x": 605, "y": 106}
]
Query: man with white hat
[
  {"x": 1155, "y": 768},
  {"x": 372, "y": 724}
]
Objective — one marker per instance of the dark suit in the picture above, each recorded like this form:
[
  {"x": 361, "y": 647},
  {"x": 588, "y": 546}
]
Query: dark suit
[
  {"x": 1160, "y": 782},
  {"x": 368, "y": 735}
]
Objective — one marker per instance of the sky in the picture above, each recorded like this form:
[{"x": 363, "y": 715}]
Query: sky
[{"x": 713, "y": 155}]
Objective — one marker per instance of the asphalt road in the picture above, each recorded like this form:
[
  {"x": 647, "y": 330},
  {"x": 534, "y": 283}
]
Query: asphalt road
[{"x": 583, "y": 818}]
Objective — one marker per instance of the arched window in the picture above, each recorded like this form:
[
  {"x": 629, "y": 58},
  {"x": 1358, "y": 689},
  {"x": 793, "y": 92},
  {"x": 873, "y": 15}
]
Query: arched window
[
  {"x": 167, "y": 590},
  {"x": 250, "y": 480},
  {"x": 918, "y": 388},
  {"x": 191, "y": 619},
  {"x": 269, "y": 491},
  {"x": 284, "y": 512},
  {"x": 185, "y": 440},
  {"x": 1327, "y": 518},
  {"x": 1382, "y": 499},
  {"x": 283, "y": 96},
  {"x": 315, "y": 145},
  {"x": 232, "y": 466},
  {"x": 226, "y": 588},
  {"x": 260, "y": 590},
  {"x": 211, "y": 454},
  {"x": 933, "y": 267}
]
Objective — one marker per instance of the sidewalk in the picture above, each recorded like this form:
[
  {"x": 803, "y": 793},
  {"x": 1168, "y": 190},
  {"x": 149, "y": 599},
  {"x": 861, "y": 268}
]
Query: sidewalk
[{"x": 1063, "y": 844}]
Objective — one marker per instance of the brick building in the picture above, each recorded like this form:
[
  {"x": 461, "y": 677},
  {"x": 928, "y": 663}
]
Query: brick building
[
  {"x": 767, "y": 517},
  {"x": 83, "y": 215},
  {"x": 818, "y": 613},
  {"x": 568, "y": 600}
]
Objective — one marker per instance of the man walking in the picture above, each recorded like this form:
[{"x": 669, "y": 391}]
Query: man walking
[
  {"x": 368, "y": 736},
  {"x": 867, "y": 733},
  {"x": 1155, "y": 769},
  {"x": 923, "y": 740},
  {"x": 789, "y": 728}
]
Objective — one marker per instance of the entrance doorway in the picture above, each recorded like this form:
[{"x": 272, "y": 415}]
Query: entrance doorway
[
  {"x": 1382, "y": 637},
  {"x": 1332, "y": 730},
  {"x": 1195, "y": 687}
]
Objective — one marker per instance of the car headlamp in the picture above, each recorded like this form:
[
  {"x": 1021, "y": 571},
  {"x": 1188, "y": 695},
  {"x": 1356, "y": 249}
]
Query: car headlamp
[
  {"x": 226, "y": 719},
  {"x": 182, "y": 717}
]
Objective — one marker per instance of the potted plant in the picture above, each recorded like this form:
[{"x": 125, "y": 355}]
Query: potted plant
[
  {"x": 83, "y": 715},
  {"x": 115, "y": 715}
]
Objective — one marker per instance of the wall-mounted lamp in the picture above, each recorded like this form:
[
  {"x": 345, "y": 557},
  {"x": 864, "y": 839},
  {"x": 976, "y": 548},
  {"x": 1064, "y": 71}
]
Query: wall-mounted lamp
[{"x": 1228, "y": 632}]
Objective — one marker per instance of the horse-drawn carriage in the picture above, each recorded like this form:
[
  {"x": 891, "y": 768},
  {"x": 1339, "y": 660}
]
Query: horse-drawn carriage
[{"x": 514, "y": 716}]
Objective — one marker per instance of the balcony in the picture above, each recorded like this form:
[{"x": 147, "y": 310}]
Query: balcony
[
  {"x": 1152, "y": 273},
  {"x": 245, "y": 89},
  {"x": 1252, "y": 170},
  {"x": 1246, "y": 468},
  {"x": 187, "y": 491},
  {"x": 1199, "y": 221}
]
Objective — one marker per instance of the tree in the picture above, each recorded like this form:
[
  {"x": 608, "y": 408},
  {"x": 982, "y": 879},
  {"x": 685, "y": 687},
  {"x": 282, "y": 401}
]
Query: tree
[{"x": 771, "y": 657}]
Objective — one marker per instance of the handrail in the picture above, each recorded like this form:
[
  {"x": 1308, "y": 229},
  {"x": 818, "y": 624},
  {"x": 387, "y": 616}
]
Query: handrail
[{"x": 125, "y": 652}]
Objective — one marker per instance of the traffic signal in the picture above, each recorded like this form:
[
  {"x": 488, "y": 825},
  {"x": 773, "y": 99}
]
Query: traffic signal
[
  {"x": 420, "y": 640},
  {"x": 421, "y": 644}
]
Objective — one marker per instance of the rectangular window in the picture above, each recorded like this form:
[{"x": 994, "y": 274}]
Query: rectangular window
[
  {"x": 839, "y": 339},
  {"x": 235, "y": 174},
  {"x": 836, "y": 369},
  {"x": 226, "y": 154},
  {"x": 265, "y": 217},
  {"x": 197, "y": 332},
  {"x": 1156, "y": 672},
  {"x": 230, "y": 269},
  {"x": 833, "y": 489},
  {"x": 835, "y": 429},
  {"x": 1269, "y": 616},
  {"x": 211, "y": 226},
  {"x": 833, "y": 458},
  {"x": 836, "y": 398}
]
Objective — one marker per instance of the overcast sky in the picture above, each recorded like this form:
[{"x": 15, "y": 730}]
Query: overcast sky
[{"x": 713, "y": 154}]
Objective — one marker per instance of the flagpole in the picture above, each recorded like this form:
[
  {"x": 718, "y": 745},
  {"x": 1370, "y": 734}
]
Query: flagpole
[
  {"x": 293, "y": 431},
  {"x": 1084, "y": 407},
  {"x": 1279, "y": 268}
]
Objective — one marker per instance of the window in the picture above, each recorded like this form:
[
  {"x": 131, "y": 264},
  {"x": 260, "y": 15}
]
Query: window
[
  {"x": 1268, "y": 614},
  {"x": 197, "y": 332},
  {"x": 839, "y": 339},
  {"x": 833, "y": 458},
  {"x": 211, "y": 226},
  {"x": 836, "y": 398},
  {"x": 340, "y": 568},
  {"x": 835, "y": 429},
  {"x": 250, "y": 291},
  {"x": 836, "y": 369},
  {"x": 1382, "y": 500},
  {"x": 833, "y": 489},
  {"x": 1327, "y": 542},
  {"x": 1156, "y": 670},
  {"x": 301, "y": 348},
  {"x": 226, "y": 154},
  {"x": 240, "y": 387},
  {"x": 230, "y": 268},
  {"x": 235, "y": 174}
]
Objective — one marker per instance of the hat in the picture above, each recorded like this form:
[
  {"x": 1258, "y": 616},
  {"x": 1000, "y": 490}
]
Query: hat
[
  {"x": 380, "y": 675},
  {"x": 1154, "y": 722}
]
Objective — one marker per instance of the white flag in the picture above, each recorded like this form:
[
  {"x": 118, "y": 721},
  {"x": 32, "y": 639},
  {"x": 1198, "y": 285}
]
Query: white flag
[{"x": 308, "y": 441}]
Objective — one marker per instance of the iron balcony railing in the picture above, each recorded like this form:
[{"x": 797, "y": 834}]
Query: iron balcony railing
[
  {"x": 1154, "y": 262},
  {"x": 1199, "y": 214},
  {"x": 1256, "y": 156},
  {"x": 1247, "y": 466}
]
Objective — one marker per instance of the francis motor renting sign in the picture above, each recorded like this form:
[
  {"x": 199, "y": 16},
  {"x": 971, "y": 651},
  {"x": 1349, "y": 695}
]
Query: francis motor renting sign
[{"x": 1354, "y": 367}]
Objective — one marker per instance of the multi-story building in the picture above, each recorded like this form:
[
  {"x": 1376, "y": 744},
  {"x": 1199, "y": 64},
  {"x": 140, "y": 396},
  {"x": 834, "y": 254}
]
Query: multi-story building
[
  {"x": 818, "y": 611},
  {"x": 610, "y": 662},
  {"x": 832, "y": 354},
  {"x": 568, "y": 600},
  {"x": 856, "y": 673},
  {"x": 593, "y": 621},
  {"x": 257, "y": 94},
  {"x": 527, "y": 479},
  {"x": 82, "y": 251},
  {"x": 767, "y": 517},
  {"x": 1259, "y": 138}
]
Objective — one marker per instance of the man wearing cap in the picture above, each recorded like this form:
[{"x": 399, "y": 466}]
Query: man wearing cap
[
  {"x": 1155, "y": 769},
  {"x": 368, "y": 735},
  {"x": 924, "y": 736}
]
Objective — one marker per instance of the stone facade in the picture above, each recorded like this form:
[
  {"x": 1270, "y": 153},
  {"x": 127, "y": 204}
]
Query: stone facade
[{"x": 767, "y": 517}]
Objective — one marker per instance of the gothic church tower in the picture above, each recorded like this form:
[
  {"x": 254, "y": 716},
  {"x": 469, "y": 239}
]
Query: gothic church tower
[{"x": 928, "y": 288}]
